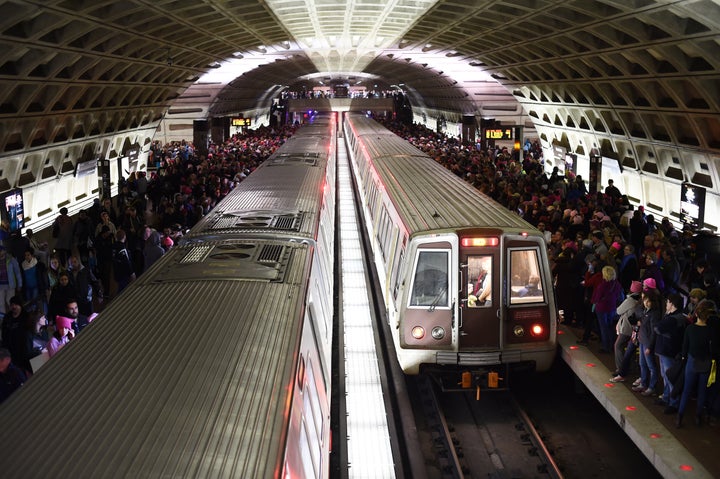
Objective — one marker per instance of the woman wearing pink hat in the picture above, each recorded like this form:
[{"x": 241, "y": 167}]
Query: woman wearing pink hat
[{"x": 62, "y": 335}]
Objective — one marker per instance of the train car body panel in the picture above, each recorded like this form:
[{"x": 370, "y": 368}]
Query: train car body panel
[
  {"x": 213, "y": 363},
  {"x": 449, "y": 260},
  {"x": 226, "y": 364}
]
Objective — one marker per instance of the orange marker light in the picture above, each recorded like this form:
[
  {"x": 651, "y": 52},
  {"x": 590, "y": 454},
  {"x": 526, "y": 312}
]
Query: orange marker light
[
  {"x": 630, "y": 408},
  {"x": 418, "y": 332},
  {"x": 686, "y": 467},
  {"x": 493, "y": 241},
  {"x": 573, "y": 348}
]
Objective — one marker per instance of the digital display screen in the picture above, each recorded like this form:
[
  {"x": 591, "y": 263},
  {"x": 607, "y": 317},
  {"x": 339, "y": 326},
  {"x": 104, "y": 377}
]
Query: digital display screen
[
  {"x": 241, "y": 122},
  {"x": 499, "y": 134},
  {"x": 692, "y": 205},
  {"x": 13, "y": 204}
]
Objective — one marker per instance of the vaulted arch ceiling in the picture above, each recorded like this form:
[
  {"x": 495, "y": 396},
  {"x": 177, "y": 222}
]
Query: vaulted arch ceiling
[{"x": 630, "y": 75}]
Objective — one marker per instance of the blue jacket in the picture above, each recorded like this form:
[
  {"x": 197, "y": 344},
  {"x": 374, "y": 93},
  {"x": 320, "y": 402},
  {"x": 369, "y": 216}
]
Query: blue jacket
[{"x": 15, "y": 280}]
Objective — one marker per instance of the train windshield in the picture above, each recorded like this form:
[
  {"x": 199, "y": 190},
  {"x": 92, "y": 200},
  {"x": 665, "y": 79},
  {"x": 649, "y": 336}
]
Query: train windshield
[
  {"x": 526, "y": 282},
  {"x": 430, "y": 282}
]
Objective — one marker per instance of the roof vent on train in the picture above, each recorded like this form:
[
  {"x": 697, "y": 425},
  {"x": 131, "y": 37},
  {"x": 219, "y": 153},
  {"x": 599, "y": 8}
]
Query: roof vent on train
[
  {"x": 258, "y": 220},
  {"x": 227, "y": 260},
  {"x": 309, "y": 159}
]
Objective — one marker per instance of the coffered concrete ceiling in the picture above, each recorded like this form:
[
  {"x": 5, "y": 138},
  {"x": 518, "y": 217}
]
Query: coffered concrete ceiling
[{"x": 621, "y": 72}]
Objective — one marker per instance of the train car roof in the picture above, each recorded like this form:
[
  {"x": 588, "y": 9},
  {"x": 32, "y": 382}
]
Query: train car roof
[
  {"x": 176, "y": 378},
  {"x": 281, "y": 196},
  {"x": 428, "y": 196}
]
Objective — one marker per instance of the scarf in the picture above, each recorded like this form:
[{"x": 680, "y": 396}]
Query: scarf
[{"x": 29, "y": 264}]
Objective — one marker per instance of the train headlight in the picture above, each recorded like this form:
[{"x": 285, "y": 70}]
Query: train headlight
[
  {"x": 537, "y": 330},
  {"x": 437, "y": 332},
  {"x": 519, "y": 331},
  {"x": 418, "y": 332}
]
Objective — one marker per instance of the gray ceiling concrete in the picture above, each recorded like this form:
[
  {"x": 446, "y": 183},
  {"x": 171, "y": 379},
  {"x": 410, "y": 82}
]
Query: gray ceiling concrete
[{"x": 634, "y": 77}]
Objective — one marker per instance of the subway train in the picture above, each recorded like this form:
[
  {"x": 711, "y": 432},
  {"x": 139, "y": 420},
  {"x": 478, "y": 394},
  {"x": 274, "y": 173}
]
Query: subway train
[
  {"x": 466, "y": 282},
  {"x": 216, "y": 362}
]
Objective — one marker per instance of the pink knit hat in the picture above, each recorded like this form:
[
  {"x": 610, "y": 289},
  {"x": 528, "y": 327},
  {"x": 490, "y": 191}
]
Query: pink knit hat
[
  {"x": 63, "y": 322},
  {"x": 635, "y": 287},
  {"x": 616, "y": 245},
  {"x": 649, "y": 284}
]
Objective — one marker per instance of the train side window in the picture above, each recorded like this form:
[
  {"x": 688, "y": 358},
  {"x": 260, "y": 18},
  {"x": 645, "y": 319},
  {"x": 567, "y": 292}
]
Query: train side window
[
  {"x": 430, "y": 280},
  {"x": 525, "y": 279},
  {"x": 480, "y": 281}
]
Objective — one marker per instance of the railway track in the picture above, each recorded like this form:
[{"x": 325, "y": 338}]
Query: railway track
[{"x": 491, "y": 438}]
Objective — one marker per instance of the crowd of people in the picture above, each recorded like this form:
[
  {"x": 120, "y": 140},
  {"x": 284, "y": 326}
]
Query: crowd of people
[
  {"x": 639, "y": 286},
  {"x": 642, "y": 288},
  {"x": 50, "y": 290}
]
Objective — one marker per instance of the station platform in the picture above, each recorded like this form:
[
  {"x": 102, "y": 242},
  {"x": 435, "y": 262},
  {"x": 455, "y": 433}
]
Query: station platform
[{"x": 688, "y": 452}]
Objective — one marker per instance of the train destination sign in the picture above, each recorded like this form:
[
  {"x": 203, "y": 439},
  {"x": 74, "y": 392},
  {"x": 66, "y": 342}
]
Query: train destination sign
[
  {"x": 499, "y": 133},
  {"x": 241, "y": 122}
]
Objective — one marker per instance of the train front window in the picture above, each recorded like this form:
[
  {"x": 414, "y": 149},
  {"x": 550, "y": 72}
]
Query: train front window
[
  {"x": 430, "y": 281},
  {"x": 479, "y": 287},
  {"x": 525, "y": 279}
]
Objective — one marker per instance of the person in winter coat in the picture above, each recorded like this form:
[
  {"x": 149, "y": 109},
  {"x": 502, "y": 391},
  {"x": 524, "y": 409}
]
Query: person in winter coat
[
  {"x": 669, "y": 333},
  {"x": 152, "y": 251},
  {"x": 629, "y": 312},
  {"x": 123, "y": 270},
  {"x": 593, "y": 278},
  {"x": 63, "y": 234},
  {"x": 629, "y": 269},
  {"x": 82, "y": 280},
  {"x": 652, "y": 313},
  {"x": 605, "y": 299},
  {"x": 35, "y": 280},
  {"x": 61, "y": 292},
  {"x": 698, "y": 349},
  {"x": 11, "y": 280}
]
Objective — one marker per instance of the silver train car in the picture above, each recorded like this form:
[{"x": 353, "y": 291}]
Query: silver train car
[
  {"x": 466, "y": 283},
  {"x": 213, "y": 363}
]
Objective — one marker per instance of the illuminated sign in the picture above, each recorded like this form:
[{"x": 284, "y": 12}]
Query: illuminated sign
[
  {"x": 499, "y": 133},
  {"x": 492, "y": 241},
  {"x": 241, "y": 122},
  {"x": 692, "y": 205}
]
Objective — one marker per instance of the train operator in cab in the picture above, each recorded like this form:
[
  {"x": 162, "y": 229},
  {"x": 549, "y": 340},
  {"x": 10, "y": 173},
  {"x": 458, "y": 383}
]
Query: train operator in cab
[
  {"x": 532, "y": 288},
  {"x": 481, "y": 289}
]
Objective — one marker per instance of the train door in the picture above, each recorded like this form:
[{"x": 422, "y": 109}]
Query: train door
[{"x": 480, "y": 292}]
